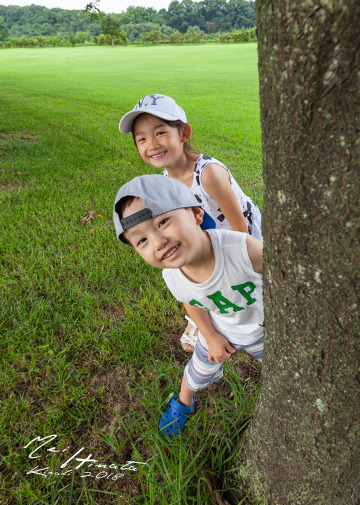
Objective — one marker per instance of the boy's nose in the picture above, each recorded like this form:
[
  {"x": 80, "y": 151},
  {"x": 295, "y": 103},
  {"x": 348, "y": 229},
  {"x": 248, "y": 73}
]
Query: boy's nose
[{"x": 159, "y": 240}]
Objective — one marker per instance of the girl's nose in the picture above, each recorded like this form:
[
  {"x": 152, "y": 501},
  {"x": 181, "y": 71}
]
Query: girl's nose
[{"x": 154, "y": 143}]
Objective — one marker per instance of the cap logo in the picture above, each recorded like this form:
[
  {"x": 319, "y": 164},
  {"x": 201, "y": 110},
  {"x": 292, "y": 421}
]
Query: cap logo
[
  {"x": 134, "y": 219},
  {"x": 141, "y": 103}
]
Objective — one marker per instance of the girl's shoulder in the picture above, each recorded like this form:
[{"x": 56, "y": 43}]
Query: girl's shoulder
[
  {"x": 203, "y": 161},
  {"x": 213, "y": 176}
]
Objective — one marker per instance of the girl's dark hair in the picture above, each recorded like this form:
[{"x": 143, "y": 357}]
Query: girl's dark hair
[{"x": 179, "y": 125}]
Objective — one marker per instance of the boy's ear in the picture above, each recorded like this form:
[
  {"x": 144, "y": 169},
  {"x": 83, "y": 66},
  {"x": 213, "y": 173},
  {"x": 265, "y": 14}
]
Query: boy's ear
[
  {"x": 198, "y": 213},
  {"x": 186, "y": 132}
]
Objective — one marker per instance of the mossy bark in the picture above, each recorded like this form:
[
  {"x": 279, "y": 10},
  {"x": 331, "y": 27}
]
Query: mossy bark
[{"x": 303, "y": 445}]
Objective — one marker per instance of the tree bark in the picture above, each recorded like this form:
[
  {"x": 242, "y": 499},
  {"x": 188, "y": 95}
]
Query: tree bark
[{"x": 303, "y": 445}]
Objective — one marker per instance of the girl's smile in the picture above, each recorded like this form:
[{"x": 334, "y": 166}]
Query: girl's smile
[{"x": 158, "y": 156}]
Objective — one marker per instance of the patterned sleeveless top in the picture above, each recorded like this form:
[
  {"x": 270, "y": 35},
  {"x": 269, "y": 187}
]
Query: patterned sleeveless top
[{"x": 250, "y": 210}]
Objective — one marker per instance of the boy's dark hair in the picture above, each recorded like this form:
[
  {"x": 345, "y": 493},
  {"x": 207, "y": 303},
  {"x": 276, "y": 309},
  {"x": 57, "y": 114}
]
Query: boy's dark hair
[
  {"x": 120, "y": 207},
  {"x": 179, "y": 125}
]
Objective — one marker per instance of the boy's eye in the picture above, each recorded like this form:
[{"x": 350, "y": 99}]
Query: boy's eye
[
  {"x": 141, "y": 140},
  {"x": 141, "y": 241},
  {"x": 160, "y": 133},
  {"x": 163, "y": 221}
]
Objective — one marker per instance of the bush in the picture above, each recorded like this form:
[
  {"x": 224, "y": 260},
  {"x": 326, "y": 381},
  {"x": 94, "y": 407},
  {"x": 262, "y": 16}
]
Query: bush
[
  {"x": 252, "y": 33},
  {"x": 102, "y": 39},
  {"x": 122, "y": 37},
  {"x": 71, "y": 39},
  {"x": 176, "y": 37},
  {"x": 154, "y": 36},
  {"x": 194, "y": 34},
  {"x": 241, "y": 36},
  {"x": 138, "y": 31},
  {"x": 225, "y": 37},
  {"x": 81, "y": 37}
]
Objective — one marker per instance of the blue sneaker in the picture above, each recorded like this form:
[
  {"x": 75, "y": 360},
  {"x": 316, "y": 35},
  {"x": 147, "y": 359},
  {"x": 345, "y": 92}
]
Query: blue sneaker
[{"x": 174, "y": 418}]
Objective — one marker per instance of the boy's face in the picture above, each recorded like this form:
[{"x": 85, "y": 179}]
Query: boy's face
[
  {"x": 169, "y": 240},
  {"x": 158, "y": 144}
]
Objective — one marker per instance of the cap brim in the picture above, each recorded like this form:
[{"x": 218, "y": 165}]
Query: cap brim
[{"x": 127, "y": 120}]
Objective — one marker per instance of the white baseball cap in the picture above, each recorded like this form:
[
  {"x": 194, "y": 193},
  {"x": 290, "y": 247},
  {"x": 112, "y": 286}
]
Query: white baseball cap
[{"x": 161, "y": 106}]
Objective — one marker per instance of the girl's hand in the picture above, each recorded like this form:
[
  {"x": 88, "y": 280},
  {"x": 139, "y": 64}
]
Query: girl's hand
[{"x": 220, "y": 350}]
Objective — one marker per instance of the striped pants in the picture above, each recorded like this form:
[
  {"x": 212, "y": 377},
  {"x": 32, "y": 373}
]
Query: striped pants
[{"x": 199, "y": 373}]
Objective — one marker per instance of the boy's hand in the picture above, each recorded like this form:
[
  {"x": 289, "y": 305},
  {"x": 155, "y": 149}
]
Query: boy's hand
[{"x": 219, "y": 350}]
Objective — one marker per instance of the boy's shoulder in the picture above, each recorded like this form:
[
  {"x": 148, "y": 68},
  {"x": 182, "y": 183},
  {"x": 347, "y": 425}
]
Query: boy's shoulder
[
  {"x": 227, "y": 238},
  {"x": 237, "y": 249}
]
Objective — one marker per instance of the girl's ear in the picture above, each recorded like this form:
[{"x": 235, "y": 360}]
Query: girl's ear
[{"x": 186, "y": 132}]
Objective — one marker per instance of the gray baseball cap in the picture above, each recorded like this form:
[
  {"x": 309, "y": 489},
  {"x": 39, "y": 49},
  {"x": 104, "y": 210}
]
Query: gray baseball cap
[
  {"x": 161, "y": 106},
  {"x": 159, "y": 194}
]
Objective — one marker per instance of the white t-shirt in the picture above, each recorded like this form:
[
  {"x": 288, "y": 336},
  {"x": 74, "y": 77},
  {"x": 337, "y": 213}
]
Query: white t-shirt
[
  {"x": 251, "y": 212},
  {"x": 233, "y": 293}
]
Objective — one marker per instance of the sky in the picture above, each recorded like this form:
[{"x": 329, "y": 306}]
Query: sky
[{"x": 106, "y": 6}]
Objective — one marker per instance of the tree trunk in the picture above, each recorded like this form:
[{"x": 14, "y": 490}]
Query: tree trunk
[{"x": 303, "y": 445}]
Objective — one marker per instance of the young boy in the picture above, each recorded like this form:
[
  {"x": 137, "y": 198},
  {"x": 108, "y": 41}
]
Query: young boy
[{"x": 217, "y": 274}]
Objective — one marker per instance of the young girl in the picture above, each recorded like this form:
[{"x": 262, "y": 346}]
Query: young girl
[{"x": 161, "y": 134}]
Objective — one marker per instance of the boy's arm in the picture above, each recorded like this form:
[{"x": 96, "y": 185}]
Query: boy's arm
[
  {"x": 219, "y": 348},
  {"x": 255, "y": 252}
]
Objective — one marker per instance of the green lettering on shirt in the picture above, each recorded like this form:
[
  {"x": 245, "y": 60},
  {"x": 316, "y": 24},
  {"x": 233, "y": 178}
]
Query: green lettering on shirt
[
  {"x": 223, "y": 303},
  {"x": 246, "y": 292},
  {"x": 195, "y": 302}
]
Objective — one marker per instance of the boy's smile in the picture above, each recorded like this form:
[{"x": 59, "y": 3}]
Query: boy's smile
[{"x": 170, "y": 240}]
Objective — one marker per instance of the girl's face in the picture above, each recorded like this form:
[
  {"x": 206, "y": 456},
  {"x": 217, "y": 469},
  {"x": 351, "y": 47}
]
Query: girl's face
[{"x": 159, "y": 144}]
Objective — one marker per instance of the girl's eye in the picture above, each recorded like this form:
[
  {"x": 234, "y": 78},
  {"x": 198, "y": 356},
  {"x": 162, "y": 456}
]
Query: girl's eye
[{"x": 163, "y": 221}]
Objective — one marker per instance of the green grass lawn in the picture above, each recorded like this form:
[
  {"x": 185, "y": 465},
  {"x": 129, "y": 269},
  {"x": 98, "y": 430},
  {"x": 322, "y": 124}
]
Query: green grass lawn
[{"x": 89, "y": 333}]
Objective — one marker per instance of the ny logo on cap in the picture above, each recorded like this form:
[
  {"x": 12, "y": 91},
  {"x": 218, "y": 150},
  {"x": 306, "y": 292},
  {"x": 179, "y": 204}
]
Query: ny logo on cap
[{"x": 141, "y": 103}]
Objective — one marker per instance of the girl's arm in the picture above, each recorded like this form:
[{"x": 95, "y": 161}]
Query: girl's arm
[{"x": 216, "y": 182}]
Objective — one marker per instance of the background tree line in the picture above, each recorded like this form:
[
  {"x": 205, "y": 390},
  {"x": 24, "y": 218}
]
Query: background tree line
[{"x": 182, "y": 21}]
